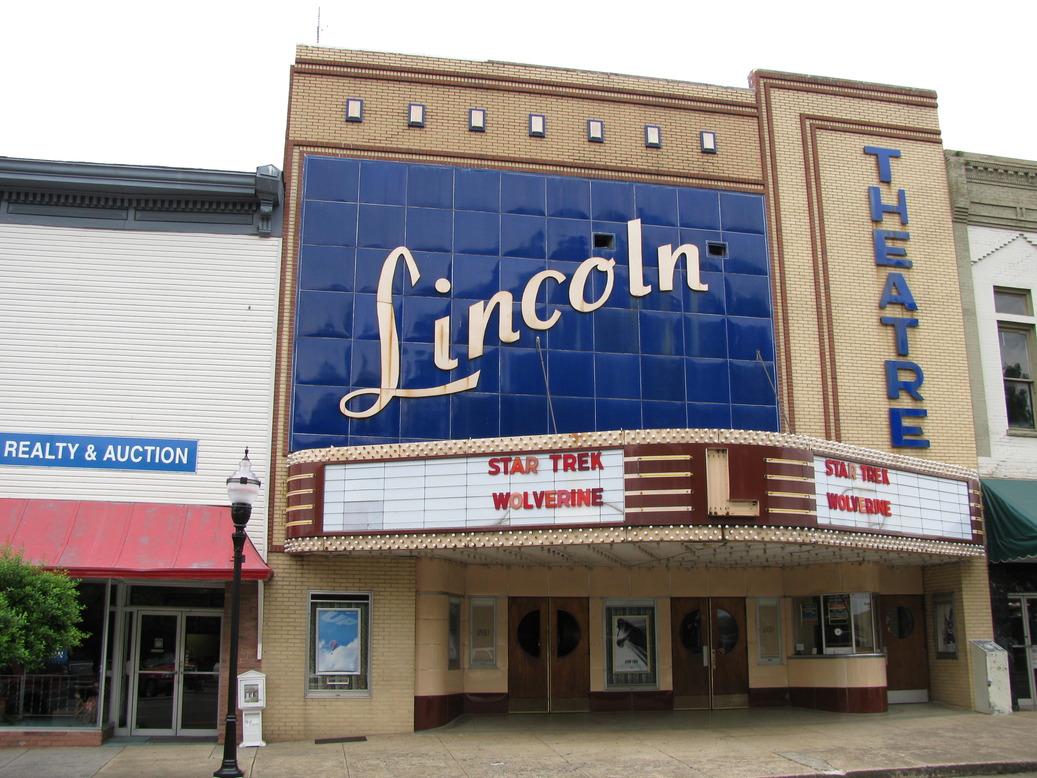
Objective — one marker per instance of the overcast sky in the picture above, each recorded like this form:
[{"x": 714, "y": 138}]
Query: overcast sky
[{"x": 205, "y": 84}]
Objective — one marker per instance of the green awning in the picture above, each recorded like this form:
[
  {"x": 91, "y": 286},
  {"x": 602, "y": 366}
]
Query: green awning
[{"x": 1010, "y": 507}]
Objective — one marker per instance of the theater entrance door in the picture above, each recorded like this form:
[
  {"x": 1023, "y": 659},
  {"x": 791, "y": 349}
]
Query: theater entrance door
[
  {"x": 907, "y": 661},
  {"x": 710, "y": 657},
  {"x": 548, "y": 656}
]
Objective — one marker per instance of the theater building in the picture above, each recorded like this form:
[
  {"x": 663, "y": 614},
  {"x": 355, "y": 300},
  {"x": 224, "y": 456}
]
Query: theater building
[
  {"x": 137, "y": 321},
  {"x": 598, "y": 392}
]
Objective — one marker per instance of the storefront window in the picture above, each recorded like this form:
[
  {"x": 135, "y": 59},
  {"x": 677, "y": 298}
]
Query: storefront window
[
  {"x": 1022, "y": 630},
  {"x": 339, "y": 661},
  {"x": 177, "y": 596},
  {"x": 483, "y": 633},
  {"x": 65, "y": 692},
  {"x": 833, "y": 624}
]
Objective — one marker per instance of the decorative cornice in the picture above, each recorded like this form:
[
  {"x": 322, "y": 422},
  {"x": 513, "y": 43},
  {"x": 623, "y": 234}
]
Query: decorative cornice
[
  {"x": 1005, "y": 172},
  {"x": 66, "y": 199},
  {"x": 141, "y": 204},
  {"x": 144, "y": 188}
]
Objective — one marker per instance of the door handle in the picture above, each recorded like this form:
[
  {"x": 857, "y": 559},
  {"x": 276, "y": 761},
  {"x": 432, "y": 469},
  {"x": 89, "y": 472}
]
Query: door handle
[{"x": 705, "y": 656}]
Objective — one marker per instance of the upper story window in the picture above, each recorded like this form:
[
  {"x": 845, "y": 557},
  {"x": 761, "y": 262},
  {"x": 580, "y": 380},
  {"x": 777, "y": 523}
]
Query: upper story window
[
  {"x": 1013, "y": 301},
  {"x": 1016, "y": 366},
  {"x": 537, "y": 125},
  {"x": 354, "y": 110},
  {"x": 1016, "y": 343},
  {"x": 416, "y": 115}
]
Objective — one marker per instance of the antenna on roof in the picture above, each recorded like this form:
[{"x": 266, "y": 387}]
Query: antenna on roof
[{"x": 318, "y": 25}]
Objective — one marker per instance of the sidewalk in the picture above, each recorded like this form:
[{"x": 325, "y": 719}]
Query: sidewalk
[{"x": 929, "y": 740}]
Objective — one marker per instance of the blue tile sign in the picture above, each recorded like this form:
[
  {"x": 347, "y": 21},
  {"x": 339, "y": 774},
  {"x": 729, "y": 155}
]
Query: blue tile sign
[
  {"x": 437, "y": 302},
  {"x": 17, "y": 448}
]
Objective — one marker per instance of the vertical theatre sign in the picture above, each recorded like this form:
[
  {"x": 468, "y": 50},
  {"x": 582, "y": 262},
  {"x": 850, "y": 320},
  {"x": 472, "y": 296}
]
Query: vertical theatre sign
[{"x": 903, "y": 376}]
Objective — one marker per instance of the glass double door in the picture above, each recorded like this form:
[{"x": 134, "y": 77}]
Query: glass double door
[
  {"x": 176, "y": 673},
  {"x": 1022, "y": 659}
]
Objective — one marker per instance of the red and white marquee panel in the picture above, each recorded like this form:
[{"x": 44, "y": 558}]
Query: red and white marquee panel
[
  {"x": 512, "y": 490},
  {"x": 851, "y": 494}
]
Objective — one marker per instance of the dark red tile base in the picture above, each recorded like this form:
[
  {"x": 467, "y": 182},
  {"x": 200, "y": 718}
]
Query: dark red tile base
[
  {"x": 854, "y": 700},
  {"x": 612, "y": 701},
  {"x": 769, "y": 698},
  {"x": 435, "y": 711}
]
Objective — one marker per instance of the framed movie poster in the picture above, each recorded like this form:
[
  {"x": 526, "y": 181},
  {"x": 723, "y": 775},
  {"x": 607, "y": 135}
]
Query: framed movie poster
[
  {"x": 630, "y": 645},
  {"x": 944, "y": 627},
  {"x": 338, "y": 641}
]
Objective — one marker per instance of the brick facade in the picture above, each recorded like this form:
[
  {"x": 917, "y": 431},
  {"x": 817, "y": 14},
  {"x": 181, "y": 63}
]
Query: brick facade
[
  {"x": 289, "y": 714},
  {"x": 800, "y": 142}
]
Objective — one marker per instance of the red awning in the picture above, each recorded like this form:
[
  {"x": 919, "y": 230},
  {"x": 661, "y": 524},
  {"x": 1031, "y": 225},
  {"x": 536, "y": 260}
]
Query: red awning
[{"x": 127, "y": 540}]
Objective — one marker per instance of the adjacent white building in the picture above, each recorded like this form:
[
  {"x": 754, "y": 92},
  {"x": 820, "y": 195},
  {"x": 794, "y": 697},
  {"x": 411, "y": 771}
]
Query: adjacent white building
[
  {"x": 137, "y": 319},
  {"x": 995, "y": 219}
]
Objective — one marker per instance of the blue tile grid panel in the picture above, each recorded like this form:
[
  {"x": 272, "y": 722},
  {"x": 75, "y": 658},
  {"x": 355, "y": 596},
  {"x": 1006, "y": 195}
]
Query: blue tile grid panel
[{"x": 469, "y": 248}]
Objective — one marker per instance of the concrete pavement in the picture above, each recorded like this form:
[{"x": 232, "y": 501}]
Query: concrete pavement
[{"x": 925, "y": 740}]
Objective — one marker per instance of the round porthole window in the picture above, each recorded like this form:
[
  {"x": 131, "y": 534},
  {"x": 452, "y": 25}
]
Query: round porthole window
[
  {"x": 727, "y": 631},
  {"x": 900, "y": 622},
  {"x": 568, "y": 633},
  {"x": 528, "y": 633},
  {"x": 691, "y": 631}
]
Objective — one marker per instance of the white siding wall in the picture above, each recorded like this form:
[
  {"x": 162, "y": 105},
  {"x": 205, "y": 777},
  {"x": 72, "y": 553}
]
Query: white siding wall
[
  {"x": 139, "y": 334},
  {"x": 1009, "y": 259}
]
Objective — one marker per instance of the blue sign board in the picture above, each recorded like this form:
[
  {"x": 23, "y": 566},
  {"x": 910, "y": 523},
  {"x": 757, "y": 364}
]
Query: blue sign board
[
  {"x": 18, "y": 448},
  {"x": 439, "y": 302}
]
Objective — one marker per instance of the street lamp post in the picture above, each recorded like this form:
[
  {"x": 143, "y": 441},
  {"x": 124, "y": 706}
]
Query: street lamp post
[{"x": 242, "y": 488}]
